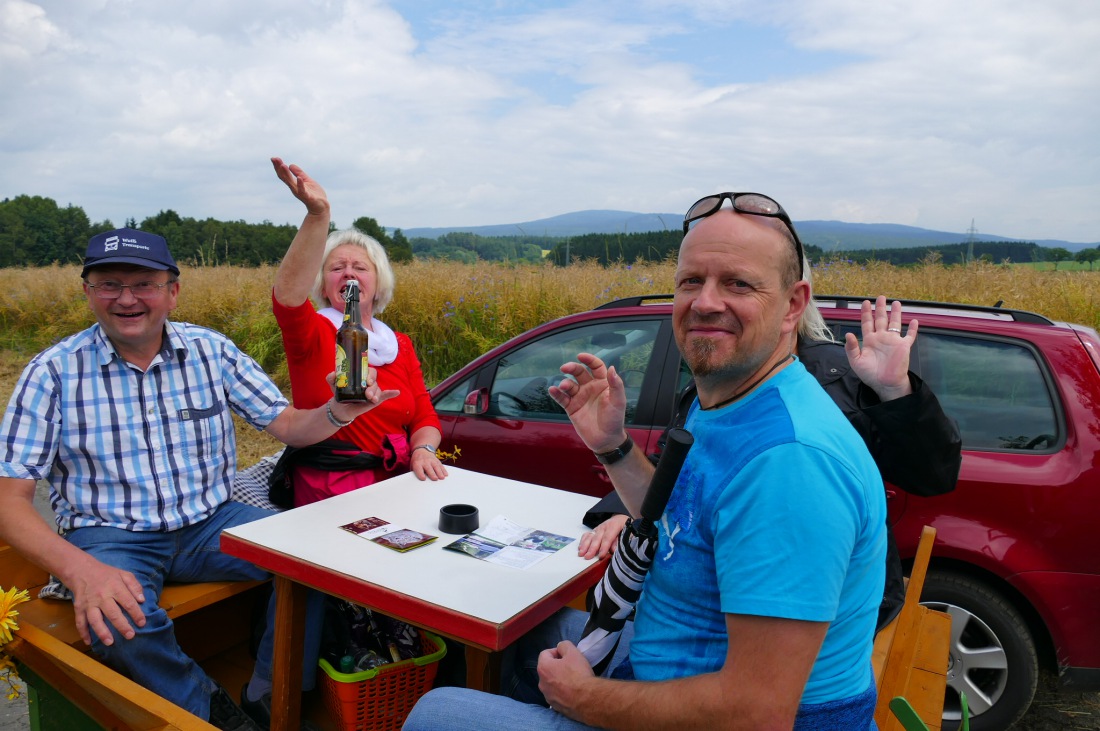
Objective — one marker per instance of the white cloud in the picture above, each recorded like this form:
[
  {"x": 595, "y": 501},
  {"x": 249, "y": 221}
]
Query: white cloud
[{"x": 422, "y": 114}]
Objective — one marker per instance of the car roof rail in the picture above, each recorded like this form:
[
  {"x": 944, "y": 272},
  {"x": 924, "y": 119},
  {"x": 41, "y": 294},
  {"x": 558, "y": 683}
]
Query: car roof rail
[
  {"x": 634, "y": 301},
  {"x": 843, "y": 302}
]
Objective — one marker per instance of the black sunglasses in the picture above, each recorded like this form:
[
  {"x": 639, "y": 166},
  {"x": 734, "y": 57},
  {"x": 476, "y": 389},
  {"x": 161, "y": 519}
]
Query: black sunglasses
[{"x": 752, "y": 203}]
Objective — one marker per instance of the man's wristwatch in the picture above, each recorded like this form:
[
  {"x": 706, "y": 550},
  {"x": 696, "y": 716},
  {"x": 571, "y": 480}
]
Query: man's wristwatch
[{"x": 616, "y": 454}]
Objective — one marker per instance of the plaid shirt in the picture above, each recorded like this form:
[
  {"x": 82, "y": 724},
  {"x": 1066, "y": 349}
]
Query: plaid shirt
[{"x": 143, "y": 451}]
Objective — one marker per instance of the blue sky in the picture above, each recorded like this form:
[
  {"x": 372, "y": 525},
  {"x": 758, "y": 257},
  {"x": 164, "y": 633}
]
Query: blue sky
[{"x": 425, "y": 113}]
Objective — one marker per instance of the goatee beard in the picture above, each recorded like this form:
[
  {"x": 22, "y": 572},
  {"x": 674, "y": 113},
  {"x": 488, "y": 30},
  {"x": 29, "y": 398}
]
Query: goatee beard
[{"x": 700, "y": 357}]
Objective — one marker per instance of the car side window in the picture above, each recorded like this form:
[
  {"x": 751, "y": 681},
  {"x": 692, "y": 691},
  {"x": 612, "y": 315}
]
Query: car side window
[
  {"x": 995, "y": 390},
  {"x": 524, "y": 375},
  {"x": 453, "y": 400}
]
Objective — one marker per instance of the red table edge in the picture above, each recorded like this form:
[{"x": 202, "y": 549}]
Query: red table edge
[{"x": 461, "y": 627}]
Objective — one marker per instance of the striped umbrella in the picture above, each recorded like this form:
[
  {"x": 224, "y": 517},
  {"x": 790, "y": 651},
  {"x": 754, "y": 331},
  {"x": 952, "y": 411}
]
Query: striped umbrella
[{"x": 618, "y": 591}]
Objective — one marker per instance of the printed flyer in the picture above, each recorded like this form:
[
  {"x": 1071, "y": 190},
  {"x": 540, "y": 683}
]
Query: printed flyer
[
  {"x": 510, "y": 544},
  {"x": 385, "y": 534}
]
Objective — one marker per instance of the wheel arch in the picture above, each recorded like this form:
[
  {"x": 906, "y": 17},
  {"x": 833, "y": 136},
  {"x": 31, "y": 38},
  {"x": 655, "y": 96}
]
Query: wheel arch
[{"x": 1044, "y": 644}]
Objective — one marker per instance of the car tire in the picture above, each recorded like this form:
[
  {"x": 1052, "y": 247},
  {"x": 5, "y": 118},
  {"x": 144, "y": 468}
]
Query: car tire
[{"x": 993, "y": 658}]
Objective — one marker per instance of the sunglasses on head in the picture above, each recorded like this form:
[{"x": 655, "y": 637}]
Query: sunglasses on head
[{"x": 755, "y": 204}]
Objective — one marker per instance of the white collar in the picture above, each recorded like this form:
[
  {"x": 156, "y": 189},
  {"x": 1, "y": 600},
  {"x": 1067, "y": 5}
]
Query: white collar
[{"x": 383, "y": 342}]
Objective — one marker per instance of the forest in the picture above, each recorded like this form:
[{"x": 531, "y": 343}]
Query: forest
[{"x": 36, "y": 231}]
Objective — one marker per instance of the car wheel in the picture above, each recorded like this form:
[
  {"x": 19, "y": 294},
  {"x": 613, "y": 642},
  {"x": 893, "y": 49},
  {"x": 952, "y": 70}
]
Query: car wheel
[{"x": 993, "y": 658}]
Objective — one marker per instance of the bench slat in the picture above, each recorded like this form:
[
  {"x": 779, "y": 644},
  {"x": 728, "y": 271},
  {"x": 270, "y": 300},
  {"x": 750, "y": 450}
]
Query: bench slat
[
  {"x": 55, "y": 616},
  {"x": 108, "y": 698}
]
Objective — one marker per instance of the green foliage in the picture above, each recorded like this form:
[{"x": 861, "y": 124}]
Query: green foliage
[
  {"x": 990, "y": 251},
  {"x": 35, "y": 231},
  {"x": 608, "y": 248},
  {"x": 400, "y": 250},
  {"x": 1088, "y": 256},
  {"x": 469, "y": 248},
  {"x": 371, "y": 228}
]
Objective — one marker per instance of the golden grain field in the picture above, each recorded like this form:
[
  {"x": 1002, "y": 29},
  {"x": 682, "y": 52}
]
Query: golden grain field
[{"x": 454, "y": 312}]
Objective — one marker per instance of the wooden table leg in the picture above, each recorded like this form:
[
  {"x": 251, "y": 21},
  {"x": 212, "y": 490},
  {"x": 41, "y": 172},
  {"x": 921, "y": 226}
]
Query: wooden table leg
[
  {"x": 290, "y": 622},
  {"x": 482, "y": 669}
]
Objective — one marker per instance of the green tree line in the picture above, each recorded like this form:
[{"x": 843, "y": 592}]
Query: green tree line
[
  {"x": 35, "y": 231},
  {"x": 629, "y": 247},
  {"x": 659, "y": 245},
  {"x": 469, "y": 247}
]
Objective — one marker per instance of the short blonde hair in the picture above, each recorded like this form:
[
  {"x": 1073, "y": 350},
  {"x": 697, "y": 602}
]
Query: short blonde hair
[{"x": 383, "y": 272}]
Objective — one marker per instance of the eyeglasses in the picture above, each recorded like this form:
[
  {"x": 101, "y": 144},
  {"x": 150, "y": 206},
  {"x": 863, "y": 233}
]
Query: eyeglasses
[
  {"x": 113, "y": 290},
  {"x": 752, "y": 203}
]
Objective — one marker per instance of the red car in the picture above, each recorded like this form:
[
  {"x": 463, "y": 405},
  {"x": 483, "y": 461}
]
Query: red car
[{"x": 1016, "y": 562}]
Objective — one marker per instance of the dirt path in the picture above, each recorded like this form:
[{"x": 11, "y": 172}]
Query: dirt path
[{"x": 1054, "y": 711}]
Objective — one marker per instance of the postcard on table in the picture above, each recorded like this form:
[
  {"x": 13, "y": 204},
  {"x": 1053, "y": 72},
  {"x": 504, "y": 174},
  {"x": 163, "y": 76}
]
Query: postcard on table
[
  {"x": 386, "y": 534},
  {"x": 504, "y": 542}
]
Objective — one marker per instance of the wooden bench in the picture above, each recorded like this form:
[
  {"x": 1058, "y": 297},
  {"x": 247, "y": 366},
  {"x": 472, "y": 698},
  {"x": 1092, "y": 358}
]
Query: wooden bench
[
  {"x": 210, "y": 618},
  {"x": 911, "y": 653}
]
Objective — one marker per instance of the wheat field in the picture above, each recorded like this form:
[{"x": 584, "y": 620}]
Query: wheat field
[{"x": 455, "y": 312}]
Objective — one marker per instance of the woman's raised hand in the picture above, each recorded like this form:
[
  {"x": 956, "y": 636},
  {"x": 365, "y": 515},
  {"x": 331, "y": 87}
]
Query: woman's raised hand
[{"x": 304, "y": 188}]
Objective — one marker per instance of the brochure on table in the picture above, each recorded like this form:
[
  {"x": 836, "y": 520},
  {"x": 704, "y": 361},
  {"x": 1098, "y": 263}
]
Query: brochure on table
[
  {"x": 386, "y": 534},
  {"x": 505, "y": 542}
]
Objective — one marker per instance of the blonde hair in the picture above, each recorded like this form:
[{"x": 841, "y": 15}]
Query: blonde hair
[
  {"x": 383, "y": 272},
  {"x": 811, "y": 326}
]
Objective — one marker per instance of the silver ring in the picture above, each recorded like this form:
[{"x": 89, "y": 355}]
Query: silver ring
[{"x": 893, "y": 330}]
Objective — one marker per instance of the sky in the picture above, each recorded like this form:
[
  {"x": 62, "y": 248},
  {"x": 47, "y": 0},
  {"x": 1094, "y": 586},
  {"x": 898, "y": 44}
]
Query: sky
[{"x": 939, "y": 114}]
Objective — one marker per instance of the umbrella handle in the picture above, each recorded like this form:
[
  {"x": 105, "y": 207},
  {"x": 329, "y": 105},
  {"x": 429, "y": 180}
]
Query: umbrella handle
[{"x": 664, "y": 478}]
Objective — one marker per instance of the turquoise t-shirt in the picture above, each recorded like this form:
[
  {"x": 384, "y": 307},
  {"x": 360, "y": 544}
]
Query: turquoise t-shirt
[{"x": 779, "y": 511}]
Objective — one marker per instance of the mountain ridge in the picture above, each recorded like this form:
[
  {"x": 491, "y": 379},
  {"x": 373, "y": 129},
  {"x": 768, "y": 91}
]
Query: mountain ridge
[{"x": 828, "y": 235}]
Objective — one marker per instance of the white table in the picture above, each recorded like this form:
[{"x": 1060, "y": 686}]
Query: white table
[{"x": 485, "y": 606}]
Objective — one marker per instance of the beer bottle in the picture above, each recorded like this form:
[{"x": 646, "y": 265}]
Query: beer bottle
[{"x": 351, "y": 349}]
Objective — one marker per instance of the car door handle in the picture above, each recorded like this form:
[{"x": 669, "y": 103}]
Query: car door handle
[{"x": 601, "y": 472}]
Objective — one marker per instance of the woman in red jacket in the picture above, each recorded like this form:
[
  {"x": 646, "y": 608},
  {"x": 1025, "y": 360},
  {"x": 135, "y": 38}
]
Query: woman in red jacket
[{"x": 401, "y": 434}]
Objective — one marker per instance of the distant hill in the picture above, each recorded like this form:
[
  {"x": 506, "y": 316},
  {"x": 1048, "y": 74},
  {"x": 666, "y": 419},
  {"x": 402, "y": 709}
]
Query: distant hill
[
  {"x": 567, "y": 224},
  {"x": 828, "y": 235}
]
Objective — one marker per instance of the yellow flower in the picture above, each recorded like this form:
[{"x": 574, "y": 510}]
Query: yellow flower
[
  {"x": 8, "y": 601},
  {"x": 453, "y": 456},
  {"x": 8, "y": 625}
]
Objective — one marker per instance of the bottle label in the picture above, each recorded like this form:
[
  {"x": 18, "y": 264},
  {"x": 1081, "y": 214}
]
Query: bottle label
[
  {"x": 341, "y": 367},
  {"x": 363, "y": 366}
]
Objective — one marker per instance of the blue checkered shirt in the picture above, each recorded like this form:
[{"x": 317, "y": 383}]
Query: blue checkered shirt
[{"x": 143, "y": 451}]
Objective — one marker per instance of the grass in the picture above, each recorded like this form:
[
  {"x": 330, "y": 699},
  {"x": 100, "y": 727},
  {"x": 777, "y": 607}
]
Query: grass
[{"x": 455, "y": 312}]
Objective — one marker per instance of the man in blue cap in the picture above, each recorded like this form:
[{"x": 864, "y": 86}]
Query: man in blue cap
[{"x": 130, "y": 424}]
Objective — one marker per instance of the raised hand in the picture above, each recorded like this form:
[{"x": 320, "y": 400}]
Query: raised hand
[
  {"x": 882, "y": 363},
  {"x": 304, "y": 188},
  {"x": 594, "y": 398}
]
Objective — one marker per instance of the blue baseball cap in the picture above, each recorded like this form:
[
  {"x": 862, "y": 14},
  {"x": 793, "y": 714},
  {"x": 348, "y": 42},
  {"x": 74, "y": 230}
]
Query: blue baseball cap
[{"x": 129, "y": 246}]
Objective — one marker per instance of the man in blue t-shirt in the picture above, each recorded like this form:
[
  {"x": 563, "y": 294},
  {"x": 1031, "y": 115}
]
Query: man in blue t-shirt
[{"x": 759, "y": 610}]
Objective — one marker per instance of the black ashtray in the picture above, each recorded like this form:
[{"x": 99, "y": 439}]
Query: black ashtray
[{"x": 458, "y": 518}]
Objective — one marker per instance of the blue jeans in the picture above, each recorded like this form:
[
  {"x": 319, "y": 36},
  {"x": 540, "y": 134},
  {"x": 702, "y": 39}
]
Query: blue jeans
[
  {"x": 461, "y": 709},
  {"x": 153, "y": 658},
  {"x": 524, "y": 707},
  {"x": 519, "y": 666}
]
